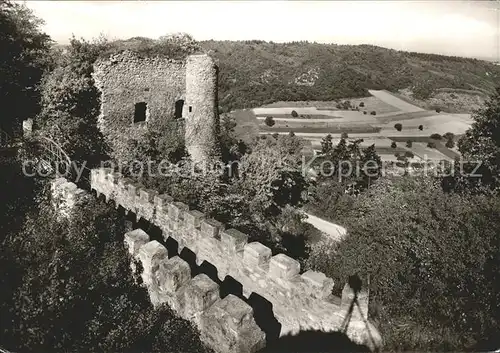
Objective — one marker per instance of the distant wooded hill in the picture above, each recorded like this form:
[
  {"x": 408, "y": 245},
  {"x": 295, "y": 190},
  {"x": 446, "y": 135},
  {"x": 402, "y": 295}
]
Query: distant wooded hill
[{"x": 253, "y": 73}]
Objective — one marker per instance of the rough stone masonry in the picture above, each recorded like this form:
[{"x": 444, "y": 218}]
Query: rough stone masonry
[{"x": 155, "y": 93}]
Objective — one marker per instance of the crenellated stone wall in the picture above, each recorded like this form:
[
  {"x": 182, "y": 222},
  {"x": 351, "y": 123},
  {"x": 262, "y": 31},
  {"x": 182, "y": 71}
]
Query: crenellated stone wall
[
  {"x": 301, "y": 301},
  {"x": 226, "y": 325}
]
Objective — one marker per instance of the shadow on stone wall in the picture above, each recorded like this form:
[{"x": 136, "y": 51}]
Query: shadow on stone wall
[
  {"x": 314, "y": 341},
  {"x": 262, "y": 308}
]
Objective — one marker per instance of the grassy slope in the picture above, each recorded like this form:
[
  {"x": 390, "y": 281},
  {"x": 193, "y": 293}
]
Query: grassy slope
[{"x": 253, "y": 73}]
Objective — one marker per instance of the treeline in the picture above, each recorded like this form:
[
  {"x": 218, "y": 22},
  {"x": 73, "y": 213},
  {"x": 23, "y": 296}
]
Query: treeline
[{"x": 253, "y": 73}]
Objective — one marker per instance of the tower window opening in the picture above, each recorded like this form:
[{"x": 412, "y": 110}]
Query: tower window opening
[
  {"x": 190, "y": 109},
  {"x": 178, "y": 109},
  {"x": 140, "y": 112}
]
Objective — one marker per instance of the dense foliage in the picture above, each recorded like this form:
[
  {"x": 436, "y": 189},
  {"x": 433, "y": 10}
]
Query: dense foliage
[
  {"x": 253, "y": 73},
  {"x": 481, "y": 142},
  {"x": 67, "y": 286},
  {"x": 433, "y": 261},
  {"x": 258, "y": 192},
  {"x": 24, "y": 55}
]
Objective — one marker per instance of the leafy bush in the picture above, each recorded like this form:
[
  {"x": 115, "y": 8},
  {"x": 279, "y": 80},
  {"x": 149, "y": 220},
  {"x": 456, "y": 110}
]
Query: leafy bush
[
  {"x": 421, "y": 127},
  {"x": 409, "y": 143},
  {"x": 436, "y": 137},
  {"x": 373, "y": 112},
  {"x": 25, "y": 57},
  {"x": 423, "y": 90},
  {"x": 398, "y": 126},
  {"x": 393, "y": 144},
  {"x": 431, "y": 144},
  {"x": 269, "y": 121},
  {"x": 450, "y": 143},
  {"x": 362, "y": 104},
  {"x": 294, "y": 114}
]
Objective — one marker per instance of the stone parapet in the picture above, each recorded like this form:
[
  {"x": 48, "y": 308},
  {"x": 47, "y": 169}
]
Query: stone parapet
[
  {"x": 226, "y": 325},
  {"x": 300, "y": 301}
]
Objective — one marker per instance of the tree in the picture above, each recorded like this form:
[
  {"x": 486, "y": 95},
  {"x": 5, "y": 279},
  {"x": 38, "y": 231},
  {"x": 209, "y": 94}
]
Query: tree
[
  {"x": 371, "y": 166},
  {"x": 71, "y": 104},
  {"x": 409, "y": 143},
  {"x": 421, "y": 127},
  {"x": 294, "y": 114},
  {"x": 436, "y": 137},
  {"x": 271, "y": 178},
  {"x": 344, "y": 135},
  {"x": 482, "y": 141},
  {"x": 450, "y": 143},
  {"x": 438, "y": 110},
  {"x": 362, "y": 104},
  {"x": 431, "y": 144},
  {"x": 326, "y": 144},
  {"x": 24, "y": 57},
  {"x": 373, "y": 112},
  {"x": 398, "y": 126},
  {"x": 393, "y": 144},
  {"x": 269, "y": 121}
]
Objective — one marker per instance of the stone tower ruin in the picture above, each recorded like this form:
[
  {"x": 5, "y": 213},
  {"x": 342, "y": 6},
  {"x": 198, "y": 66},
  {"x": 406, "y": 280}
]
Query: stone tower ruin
[
  {"x": 141, "y": 94},
  {"x": 201, "y": 125}
]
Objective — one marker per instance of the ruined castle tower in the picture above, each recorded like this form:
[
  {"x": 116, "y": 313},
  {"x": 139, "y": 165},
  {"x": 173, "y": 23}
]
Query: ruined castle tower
[
  {"x": 141, "y": 94},
  {"x": 200, "y": 110}
]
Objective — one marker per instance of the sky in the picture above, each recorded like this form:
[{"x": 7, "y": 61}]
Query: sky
[{"x": 462, "y": 28}]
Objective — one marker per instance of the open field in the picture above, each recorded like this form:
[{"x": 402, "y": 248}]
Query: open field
[
  {"x": 378, "y": 130},
  {"x": 316, "y": 123},
  {"x": 421, "y": 150},
  {"x": 371, "y": 103},
  {"x": 437, "y": 123},
  {"x": 440, "y": 144},
  {"x": 396, "y": 102},
  {"x": 305, "y": 118},
  {"x": 286, "y": 113},
  {"x": 387, "y": 118},
  {"x": 246, "y": 124}
]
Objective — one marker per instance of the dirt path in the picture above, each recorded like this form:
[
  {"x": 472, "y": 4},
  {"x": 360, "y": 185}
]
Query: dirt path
[{"x": 335, "y": 231}]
